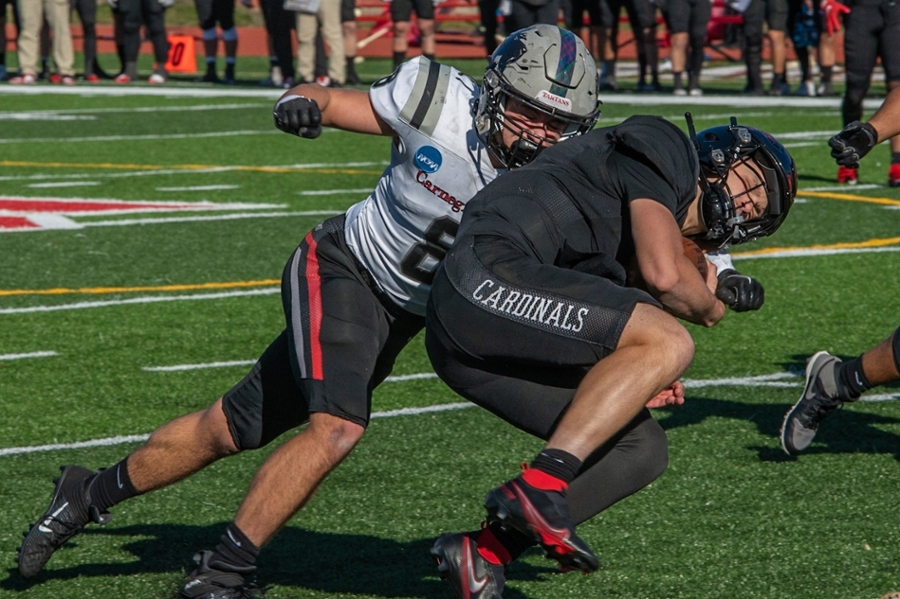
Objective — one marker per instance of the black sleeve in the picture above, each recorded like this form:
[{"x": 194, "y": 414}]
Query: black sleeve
[{"x": 636, "y": 179}]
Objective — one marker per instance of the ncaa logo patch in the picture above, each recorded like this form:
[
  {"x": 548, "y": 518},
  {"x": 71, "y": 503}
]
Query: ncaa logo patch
[{"x": 428, "y": 159}]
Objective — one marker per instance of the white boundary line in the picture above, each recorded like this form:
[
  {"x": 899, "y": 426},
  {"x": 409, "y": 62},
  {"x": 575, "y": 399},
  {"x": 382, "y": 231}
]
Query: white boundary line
[{"x": 771, "y": 380}]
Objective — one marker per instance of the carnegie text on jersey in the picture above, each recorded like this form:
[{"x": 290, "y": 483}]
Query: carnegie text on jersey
[{"x": 455, "y": 205}]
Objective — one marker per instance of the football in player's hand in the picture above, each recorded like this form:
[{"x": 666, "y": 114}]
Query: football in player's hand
[{"x": 696, "y": 256}]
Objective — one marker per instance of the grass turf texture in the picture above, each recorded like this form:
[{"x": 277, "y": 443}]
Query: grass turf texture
[{"x": 731, "y": 516}]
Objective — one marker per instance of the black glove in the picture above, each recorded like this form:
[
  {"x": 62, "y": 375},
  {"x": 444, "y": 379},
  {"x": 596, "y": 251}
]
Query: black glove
[
  {"x": 299, "y": 116},
  {"x": 739, "y": 292},
  {"x": 854, "y": 142}
]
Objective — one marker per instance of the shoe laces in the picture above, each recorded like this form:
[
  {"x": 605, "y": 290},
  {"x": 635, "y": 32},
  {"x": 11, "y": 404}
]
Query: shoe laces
[{"x": 818, "y": 409}]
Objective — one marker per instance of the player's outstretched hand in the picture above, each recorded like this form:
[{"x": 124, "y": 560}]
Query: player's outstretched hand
[
  {"x": 673, "y": 396},
  {"x": 299, "y": 116},
  {"x": 740, "y": 292},
  {"x": 854, "y": 142}
]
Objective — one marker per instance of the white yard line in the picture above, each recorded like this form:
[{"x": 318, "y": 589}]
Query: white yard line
[
  {"x": 35, "y": 354},
  {"x": 194, "y": 188},
  {"x": 753, "y": 381},
  {"x": 106, "y": 138},
  {"x": 194, "y": 171},
  {"x": 195, "y": 219},
  {"x": 184, "y": 367},
  {"x": 19, "y": 114},
  {"x": 64, "y": 184},
  {"x": 143, "y": 300},
  {"x": 326, "y": 192}
]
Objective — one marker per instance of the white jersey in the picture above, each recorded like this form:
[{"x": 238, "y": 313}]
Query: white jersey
[{"x": 403, "y": 229}]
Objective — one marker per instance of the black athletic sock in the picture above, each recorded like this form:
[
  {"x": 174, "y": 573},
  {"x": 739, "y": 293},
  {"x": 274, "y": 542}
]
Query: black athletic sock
[
  {"x": 112, "y": 486},
  {"x": 428, "y": 56},
  {"x": 399, "y": 58},
  {"x": 235, "y": 551},
  {"x": 676, "y": 80},
  {"x": 558, "y": 464},
  {"x": 512, "y": 541},
  {"x": 826, "y": 74},
  {"x": 851, "y": 380},
  {"x": 895, "y": 157}
]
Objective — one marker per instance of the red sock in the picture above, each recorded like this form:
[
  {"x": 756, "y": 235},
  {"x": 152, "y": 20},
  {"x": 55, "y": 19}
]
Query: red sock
[{"x": 543, "y": 481}]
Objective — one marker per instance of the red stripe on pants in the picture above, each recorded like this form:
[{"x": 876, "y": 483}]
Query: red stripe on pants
[{"x": 314, "y": 289}]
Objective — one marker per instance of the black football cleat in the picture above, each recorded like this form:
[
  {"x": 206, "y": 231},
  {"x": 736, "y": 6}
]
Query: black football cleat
[
  {"x": 70, "y": 509},
  {"x": 544, "y": 516},
  {"x": 217, "y": 580},
  {"x": 470, "y": 575}
]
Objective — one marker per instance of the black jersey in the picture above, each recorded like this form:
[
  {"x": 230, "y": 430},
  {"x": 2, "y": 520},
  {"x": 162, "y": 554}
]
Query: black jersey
[{"x": 569, "y": 208}]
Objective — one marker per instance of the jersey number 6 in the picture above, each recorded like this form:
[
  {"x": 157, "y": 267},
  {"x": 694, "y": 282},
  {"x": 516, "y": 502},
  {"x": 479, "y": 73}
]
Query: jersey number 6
[{"x": 421, "y": 261}]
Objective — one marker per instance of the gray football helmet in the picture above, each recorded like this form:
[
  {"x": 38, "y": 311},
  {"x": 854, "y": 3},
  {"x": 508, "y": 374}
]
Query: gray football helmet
[{"x": 548, "y": 69}]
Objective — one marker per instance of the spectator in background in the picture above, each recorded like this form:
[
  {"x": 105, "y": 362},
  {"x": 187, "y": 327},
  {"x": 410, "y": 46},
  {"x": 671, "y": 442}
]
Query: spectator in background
[
  {"x": 279, "y": 23},
  {"x": 829, "y": 25},
  {"x": 87, "y": 14},
  {"x": 32, "y": 13},
  {"x": 803, "y": 26},
  {"x": 872, "y": 32},
  {"x": 3, "y": 41},
  {"x": 327, "y": 16},
  {"x": 488, "y": 11},
  {"x": 600, "y": 18},
  {"x": 687, "y": 21},
  {"x": 774, "y": 14},
  {"x": 813, "y": 24},
  {"x": 151, "y": 14},
  {"x": 401, "y": 12},
  {"x": 348, "y": 28},
  {"x": 525, "y": 13},
  {"x": 209, "y": 13},
  {"x": 642, "y": 17}
]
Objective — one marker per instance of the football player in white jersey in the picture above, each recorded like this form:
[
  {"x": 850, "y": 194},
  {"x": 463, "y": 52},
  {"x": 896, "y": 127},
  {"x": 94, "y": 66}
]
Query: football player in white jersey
[{"x": 354, "y": 291}]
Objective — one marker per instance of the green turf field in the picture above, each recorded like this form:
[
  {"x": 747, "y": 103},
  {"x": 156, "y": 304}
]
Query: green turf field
[{"x": 101, "y": 316}]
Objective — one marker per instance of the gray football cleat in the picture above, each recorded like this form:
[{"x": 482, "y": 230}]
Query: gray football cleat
[{"x": 819, "y": 399}]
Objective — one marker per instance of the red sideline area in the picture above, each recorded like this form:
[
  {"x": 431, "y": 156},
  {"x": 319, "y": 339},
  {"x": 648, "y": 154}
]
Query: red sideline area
[{"x": 457, "y": 35}]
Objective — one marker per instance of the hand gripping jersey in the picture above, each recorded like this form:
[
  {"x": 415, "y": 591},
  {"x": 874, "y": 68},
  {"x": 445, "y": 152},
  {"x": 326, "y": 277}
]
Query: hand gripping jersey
[{"x": 403, "y": 229}]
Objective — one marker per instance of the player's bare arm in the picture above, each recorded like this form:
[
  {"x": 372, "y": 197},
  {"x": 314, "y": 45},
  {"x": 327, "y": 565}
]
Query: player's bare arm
[
  {"x": 306, "y": 108},
  {"x": 670, "y": 276}
]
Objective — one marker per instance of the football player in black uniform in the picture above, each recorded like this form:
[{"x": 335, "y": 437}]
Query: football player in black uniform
[
  {"x": 529, "y": 317},
  {"x": 830, "y": 382},
  {"x": 872, "y": 28}
]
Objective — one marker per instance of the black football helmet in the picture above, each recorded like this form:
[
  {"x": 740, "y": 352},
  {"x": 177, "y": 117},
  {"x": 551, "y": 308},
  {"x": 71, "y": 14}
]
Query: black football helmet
[
  {"x": 720, "y": 149},
  {"x": 548, "y": 69}
]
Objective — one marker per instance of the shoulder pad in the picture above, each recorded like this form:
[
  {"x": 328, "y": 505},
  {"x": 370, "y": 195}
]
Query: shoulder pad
[
  {"x": 427, "y": 97},
  {"x": 661, "y": 142}
]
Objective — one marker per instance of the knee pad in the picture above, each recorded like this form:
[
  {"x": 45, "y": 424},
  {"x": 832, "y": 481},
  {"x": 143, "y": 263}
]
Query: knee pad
[
  {"x": 230, "y": 35},
  {"x": 209, "y": 34},
  {"x": 895, "y": 345}
]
